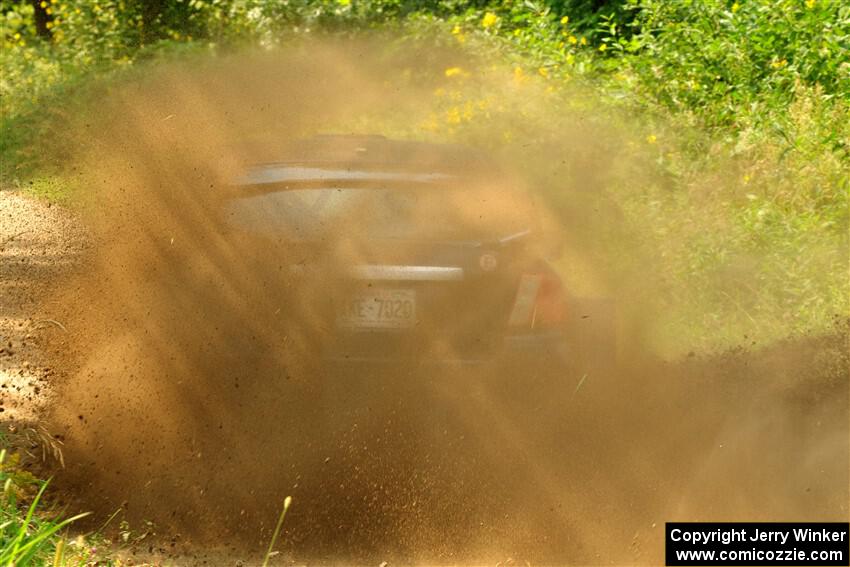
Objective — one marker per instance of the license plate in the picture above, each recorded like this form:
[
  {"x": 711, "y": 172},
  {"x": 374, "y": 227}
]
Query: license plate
[{"x": 377, "y": 308}]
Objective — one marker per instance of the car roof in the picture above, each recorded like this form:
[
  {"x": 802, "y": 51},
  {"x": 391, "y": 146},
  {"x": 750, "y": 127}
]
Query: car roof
[
  {"x": 376, "y": 151},
  {"x": 364, "y": 159}
]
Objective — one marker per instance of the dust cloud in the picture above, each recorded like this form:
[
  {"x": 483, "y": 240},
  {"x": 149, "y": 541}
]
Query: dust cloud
[{"x": 197, "y": 396}]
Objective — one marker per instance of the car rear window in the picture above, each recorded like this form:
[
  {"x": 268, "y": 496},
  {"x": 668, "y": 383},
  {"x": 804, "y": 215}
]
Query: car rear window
[{"x": 304, "y": 214}]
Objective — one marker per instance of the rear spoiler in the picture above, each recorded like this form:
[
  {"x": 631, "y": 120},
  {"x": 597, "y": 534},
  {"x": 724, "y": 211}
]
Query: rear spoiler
[
  {"x": 511, "y": 238},
  {"x": 273, "y": 178}
]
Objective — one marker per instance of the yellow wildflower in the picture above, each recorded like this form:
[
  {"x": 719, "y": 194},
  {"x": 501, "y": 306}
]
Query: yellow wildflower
[
  {"x": 651, "y": 139},
  {"x": 583, "y": 41},
  {"x": 489, "y": 20},
  {"x": 810, "y": 4},
  {"x": 43, "y": 4},
  {"x": 457, "y": 31},
  {"x": 603, "y": 47},
  {"x": 572, "y": 39},
  {"x": 468, "y": 111},
  {"x": 431, "y": 124},
  {"x": 735, "y": 7},
  {"x": 17, "y": 36},
  {"x": 543, "y": 72},
  {"x": 519, "y": 75},
  {"x": 453, "y": 115},
  {"x": 565, "y": 20},
  {"x": 455, "y": 72}
]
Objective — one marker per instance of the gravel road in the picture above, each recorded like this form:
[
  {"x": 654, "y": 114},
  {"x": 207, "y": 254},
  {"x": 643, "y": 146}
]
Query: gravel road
[{"x": 39, "y": 244}]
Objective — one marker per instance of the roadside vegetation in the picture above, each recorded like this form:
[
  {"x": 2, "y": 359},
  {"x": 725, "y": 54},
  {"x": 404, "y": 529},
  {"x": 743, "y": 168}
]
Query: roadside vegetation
[{"x": 30, "y": 533}]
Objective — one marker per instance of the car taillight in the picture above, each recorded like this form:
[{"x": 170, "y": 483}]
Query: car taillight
[{"x": 540, "y": 302}]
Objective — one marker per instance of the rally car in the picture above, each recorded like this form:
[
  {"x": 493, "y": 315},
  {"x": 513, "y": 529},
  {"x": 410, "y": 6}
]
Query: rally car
[{"x": 411, "y": 252}]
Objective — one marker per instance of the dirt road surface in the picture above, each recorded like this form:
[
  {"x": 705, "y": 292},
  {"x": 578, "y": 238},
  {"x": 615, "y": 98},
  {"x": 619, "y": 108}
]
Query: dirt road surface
[{"x": 39, "y": 245}]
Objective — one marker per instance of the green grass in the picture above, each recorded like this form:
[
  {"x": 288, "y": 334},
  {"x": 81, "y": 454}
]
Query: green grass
[
  {"x": 271, "y": 551},
  {"x": 29, "y": 535},
  {"x": 34, "y": 534}
]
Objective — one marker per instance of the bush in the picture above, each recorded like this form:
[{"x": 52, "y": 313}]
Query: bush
[{"x": 730, "y": 63}]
